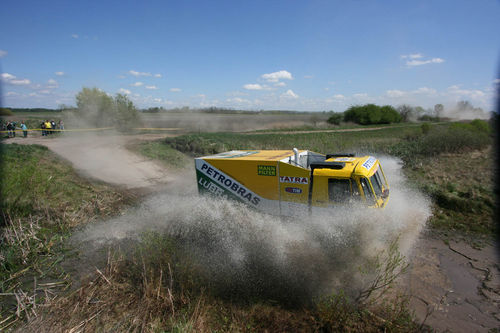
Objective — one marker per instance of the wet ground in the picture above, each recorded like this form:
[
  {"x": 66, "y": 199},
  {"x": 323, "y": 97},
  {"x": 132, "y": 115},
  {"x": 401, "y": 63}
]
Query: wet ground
[{"x": 454, "y": 287}]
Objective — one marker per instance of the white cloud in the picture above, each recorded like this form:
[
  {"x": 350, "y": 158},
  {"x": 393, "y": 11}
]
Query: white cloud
[
  {"x": 75, "y": 36},
  {"x": 496, "y": 81},
  {"x": 158, "y": 100},
  {"x": 124, "y": 91},
  {"x": 361, "y": 95},
  {"x": 424, "y": 62},
  {"x": 137, "y": 84},
  {"x": 3, "y": 53},
  {"x": 11, "y": 93},
  {"x": 308, "y": 76},
  {"x": 276, "y": 76},
  {"x": 290, "y": 94},
  {"x": 425, "y": 90},
  {"x": 13, "y": 80},
  {"x": 416, "y": 59},
  {"x": 412, "y": 56},
  {"x": 238, "y": 100},
  {"x": 280, "y": 84},
  {"x": 339, "y": 96},
  {"x": 136, "y": 73},
  {"x": 253, "y": 86},
  {"x": 7, "y": 76},
  {"x": 394, "y": 93},
  {"x": 59, "y": 73},
  {"x": 157, "y": 75},
  {"x": 465, "y": 93},
  {"x": 406, "y": 94},
  {"x": 151, "y": 87},
  {"x": 175, "y": 89},
  {"x": 51, "y": 83}
]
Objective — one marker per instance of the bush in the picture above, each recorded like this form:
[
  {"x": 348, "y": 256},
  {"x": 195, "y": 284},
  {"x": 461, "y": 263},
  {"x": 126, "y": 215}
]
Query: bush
[
  {"x": 372, "y": 114},
  {"x": 426, "y": 127},
  {"x": 5, "y": 112},
  {"x": 454, "y": 138},
  {"x": 336, "y": 118}
]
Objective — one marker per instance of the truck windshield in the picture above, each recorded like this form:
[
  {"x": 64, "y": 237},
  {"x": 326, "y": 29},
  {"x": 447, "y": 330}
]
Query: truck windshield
[
  {"x": 377, "y": 182},
  {"x": 367, "y": 190}
]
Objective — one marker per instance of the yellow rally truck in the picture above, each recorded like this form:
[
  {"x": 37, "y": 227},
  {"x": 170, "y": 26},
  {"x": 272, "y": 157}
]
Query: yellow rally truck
[{"x": 288, "y": 182}]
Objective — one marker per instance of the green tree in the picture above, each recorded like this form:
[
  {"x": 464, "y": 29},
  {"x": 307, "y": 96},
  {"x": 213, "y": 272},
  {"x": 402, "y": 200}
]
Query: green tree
[
  {"x": 389, "y": 115},
  {"x": 101, "y": 110},
  {"x": 335, "y": 118},
  {"x": 438, "y": 110},
  {"x": 95, "y": 106},
  {"x": 126, "y": 112}
]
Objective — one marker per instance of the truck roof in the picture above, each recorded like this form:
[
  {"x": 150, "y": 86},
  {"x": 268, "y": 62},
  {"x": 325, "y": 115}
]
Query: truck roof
[
  {"x": 360, "y": 165},
  {"x": 253, "y": 155}
]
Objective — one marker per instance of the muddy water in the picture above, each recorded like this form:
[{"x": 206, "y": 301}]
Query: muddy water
[{"x": 454, "y": 287}]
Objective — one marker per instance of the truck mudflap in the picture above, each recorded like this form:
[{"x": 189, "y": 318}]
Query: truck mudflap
[{"x": 213, "y": 181}]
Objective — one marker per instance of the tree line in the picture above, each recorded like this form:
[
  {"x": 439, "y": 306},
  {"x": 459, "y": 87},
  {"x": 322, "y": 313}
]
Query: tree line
[{"x": 371, "y": 114}]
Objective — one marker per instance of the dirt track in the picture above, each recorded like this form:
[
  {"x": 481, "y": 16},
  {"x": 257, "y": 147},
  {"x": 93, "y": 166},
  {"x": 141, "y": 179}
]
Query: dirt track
[
  {"x": 104, "y": 158},
  {"x": 455, "y": 287}
]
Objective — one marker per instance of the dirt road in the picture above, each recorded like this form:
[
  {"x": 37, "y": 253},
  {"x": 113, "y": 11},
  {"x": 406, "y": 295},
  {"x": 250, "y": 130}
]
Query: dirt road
[{"x": 105, "y": 158}]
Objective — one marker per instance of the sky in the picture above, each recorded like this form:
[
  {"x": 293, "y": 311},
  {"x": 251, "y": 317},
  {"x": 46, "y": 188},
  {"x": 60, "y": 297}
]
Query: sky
[{"x": 252, "y": 55}]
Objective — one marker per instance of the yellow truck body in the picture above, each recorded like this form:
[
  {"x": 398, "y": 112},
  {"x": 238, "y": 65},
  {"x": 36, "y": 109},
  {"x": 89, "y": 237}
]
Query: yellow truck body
[{"x": 287, "y": 182}]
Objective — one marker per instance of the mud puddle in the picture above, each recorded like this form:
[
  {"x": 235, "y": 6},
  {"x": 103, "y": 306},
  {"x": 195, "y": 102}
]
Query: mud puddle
[{"x": 454, "y": 287}]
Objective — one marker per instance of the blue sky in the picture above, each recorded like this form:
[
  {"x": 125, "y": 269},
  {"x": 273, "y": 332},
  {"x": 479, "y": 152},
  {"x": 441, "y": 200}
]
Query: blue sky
[{"x": 296, "y": 55}]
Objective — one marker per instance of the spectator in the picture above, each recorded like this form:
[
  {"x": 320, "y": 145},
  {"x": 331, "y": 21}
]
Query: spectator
[
  {"x": 25, "y": 129},
  {"x": 42, "y": 126},
  {"x": 48, "y": 127},
  {"x": 53, "y": 125},
  {"x": 9, "y": 129},
  {"x": 14, "y": 125},
  {"x": 61, "y": 125}
]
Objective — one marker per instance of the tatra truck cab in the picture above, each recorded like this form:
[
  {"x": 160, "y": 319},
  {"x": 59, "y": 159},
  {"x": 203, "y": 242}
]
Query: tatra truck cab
[{"x": 287, "y": 182}]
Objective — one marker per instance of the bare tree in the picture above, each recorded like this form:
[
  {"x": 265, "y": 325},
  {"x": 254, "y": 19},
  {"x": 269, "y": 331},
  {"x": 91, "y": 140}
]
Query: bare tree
[{"x": 406, "y": 112}]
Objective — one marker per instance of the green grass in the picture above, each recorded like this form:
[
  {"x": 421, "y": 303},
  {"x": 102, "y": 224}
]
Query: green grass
[
  {"x": 42, "y": 200},
  {"x": 157, "y": 150},
  {"x": 325, "y": 142}
]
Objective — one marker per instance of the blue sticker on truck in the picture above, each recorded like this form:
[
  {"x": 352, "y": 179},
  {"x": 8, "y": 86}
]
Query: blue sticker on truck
[
  {"x": 368, "y": 164},
  {"x": 293, "y": 190}
]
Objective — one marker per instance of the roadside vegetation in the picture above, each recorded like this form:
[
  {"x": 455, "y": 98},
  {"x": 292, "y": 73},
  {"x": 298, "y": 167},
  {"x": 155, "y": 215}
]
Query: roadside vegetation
[{"x": 42, "y": 200}]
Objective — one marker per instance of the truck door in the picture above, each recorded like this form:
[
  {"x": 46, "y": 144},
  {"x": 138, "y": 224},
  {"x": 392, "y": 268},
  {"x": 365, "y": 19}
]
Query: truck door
[{"x": 342, "y": 191}]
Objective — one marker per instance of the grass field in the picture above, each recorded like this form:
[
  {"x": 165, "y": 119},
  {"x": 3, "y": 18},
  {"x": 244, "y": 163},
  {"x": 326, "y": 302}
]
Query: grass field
[{"x": 43, "y": 199}]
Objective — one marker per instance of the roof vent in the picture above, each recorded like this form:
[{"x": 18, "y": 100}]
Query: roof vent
[{"x": 339, "y": 155}]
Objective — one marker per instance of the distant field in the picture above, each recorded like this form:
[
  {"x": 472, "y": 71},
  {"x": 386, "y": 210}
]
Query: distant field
[
  {"x": 196, "y": 122},
  {"x": 214, "y": 122}
]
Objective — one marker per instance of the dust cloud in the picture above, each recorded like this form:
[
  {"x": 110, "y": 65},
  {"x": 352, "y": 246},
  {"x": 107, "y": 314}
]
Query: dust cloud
[{"x": 246, "y": 253}]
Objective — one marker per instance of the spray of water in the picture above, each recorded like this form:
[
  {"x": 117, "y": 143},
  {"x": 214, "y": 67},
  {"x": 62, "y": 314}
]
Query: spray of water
[{"x": 245, "y": 253}]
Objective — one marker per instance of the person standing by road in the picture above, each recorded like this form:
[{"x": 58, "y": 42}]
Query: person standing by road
[
  {"x": 53, "y": 125},
  {"x": 25, "y": 129},
  {"x": 48, "y": 127}
]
